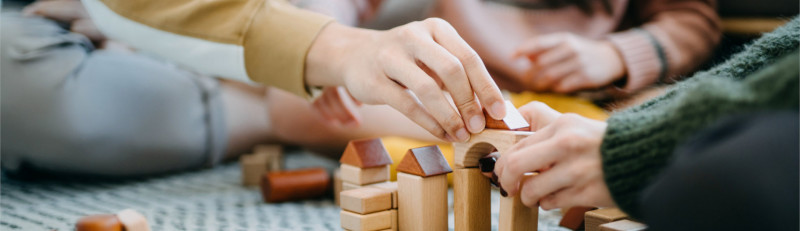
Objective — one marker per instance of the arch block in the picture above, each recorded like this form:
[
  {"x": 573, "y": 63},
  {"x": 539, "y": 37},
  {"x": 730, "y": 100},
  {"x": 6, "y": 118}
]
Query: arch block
[{"x": 479, "y": 145}]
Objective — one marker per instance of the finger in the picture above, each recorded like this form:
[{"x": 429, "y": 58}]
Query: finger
[
  {"x": 404, "y": 101},
  {"x": 538, "y": 45},
  {"x": 334, "y": 103},
  {"x": 566, "y": 198},
  {"x": 349, "y": 106},
  {"x": 551, "y": 75},
  {"x": 529, "y": 159},
  {"x": 554, "y": 56},
  {"x": 426, "y": 90},
  {"x": 451, "y": 72},
  {"x": 64, "y": 11},
  {"x": 571, "y": 83},
  {"x": 538, "y": 187},
  {"x": 87, "y": 28},
  {"x": 322, "y": 110},
  {"x": 538, "y": 114},
  {"x": 480, "y": 81}
]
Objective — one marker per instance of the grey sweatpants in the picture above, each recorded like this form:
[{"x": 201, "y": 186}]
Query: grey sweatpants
[{"x": 69, "y": 108}]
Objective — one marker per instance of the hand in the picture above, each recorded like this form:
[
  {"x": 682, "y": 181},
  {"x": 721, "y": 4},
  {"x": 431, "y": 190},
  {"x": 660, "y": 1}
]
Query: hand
[
  {"x": 336, "y": 105},
  {"x": 67, "y": 11},
  {"x": 565, "y": 62},
  {"x": 565, "y": 151},
  {"x": 401, "y": 67}
]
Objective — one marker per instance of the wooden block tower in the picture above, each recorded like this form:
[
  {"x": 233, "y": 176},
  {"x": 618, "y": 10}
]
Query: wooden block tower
[
  {"x": 367, "y": 199},
  {"x": 471, "y": 189},
  {"x": 422, "y": 189}
]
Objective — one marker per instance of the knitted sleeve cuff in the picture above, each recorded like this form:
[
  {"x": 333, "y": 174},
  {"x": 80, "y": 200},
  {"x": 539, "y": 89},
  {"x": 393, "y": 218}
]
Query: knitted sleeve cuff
[{"x": 645, "y": 61}]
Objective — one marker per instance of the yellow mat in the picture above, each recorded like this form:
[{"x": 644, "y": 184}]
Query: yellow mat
[{"x": 398, "y": 146}]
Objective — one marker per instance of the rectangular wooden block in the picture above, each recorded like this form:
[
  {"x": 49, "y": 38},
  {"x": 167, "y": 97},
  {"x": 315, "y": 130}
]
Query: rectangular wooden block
[
  {"x": 472, "y": 200},
  {"x": 422, "y": 202},
  {"x": 274, "y": 154},
  {"x": 467, "y": 154},
  {"x": 349, "y": 186},
  {"x": 366, "y": 200},
  {"x": 623, "y": 225},
  {"x": 598, "y": 217},
  {"x": 359, "y": 176},
  {"x": 372, "y": 221},
  {"x": 390, "y": 186},
  {"x": 337, "y": 186},
  {"x": 515, "y": 216},
  {"x": 394, "y": 220},
  {"x": 253, "y": 166}
]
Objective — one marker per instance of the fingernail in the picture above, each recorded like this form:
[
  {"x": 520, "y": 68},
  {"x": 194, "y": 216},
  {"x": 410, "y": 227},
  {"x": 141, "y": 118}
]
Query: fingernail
[
  {"x": 462, "y": 135},
  {"x": 476, "y": 124},
  {"x": 487, "y": 164},
  {"x": 503, "y": 192},
  {"x": 498, "y": 109}
]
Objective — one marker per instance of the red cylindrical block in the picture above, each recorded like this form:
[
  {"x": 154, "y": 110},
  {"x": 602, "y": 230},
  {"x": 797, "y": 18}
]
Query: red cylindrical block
[
  {"x": 294, "y": 184},
  {"x": 101, "y": 222}
]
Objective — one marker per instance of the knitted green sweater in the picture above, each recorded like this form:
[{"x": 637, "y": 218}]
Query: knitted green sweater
[{"x": 639, "y": 142}]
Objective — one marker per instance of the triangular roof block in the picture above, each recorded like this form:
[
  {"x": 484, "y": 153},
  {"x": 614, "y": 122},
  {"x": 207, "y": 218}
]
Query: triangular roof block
[
  {"x": 424, "y": 161},
  {"x": 366, "y": 153},
  {"x": 513, "y": 120}
]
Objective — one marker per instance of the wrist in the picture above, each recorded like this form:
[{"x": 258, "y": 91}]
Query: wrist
[
  {"x": 325, "y": 61},
  {"x": 616, "y": 64}
]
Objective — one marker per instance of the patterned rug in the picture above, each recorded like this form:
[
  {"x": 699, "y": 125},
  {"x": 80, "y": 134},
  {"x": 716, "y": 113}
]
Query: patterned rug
[{"x": 211, "y": 199}]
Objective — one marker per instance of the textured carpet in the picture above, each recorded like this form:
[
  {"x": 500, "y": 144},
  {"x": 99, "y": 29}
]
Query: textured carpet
[{"x": 211, "y": 199}]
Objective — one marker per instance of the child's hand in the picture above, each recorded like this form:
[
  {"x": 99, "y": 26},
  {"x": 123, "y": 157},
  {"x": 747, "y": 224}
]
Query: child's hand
[
  {"x": 336, "y": 105},
  {"x": 565, "y": 150},
  {"x": 565, "y": 62},
  {"x": 71, "y": 12}
]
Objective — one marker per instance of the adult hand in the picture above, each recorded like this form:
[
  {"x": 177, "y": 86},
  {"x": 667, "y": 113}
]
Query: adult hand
[
  {"x": 565, "y": 151},
  {"x": 337, "y": 105},
  {"x": 401, "y": 67},
  {"x": 565, "y": 62}
]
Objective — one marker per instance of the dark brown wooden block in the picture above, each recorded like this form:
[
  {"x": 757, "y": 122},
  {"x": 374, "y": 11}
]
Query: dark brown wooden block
[
  {"x": 424, "y": 161},
  {"x": 295, "y": 184},
  {"x": 366, "y": 153}
]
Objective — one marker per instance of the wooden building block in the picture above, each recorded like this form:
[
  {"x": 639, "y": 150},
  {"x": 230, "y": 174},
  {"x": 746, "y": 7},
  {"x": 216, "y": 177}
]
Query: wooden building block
[
  {"x": 424, "y": 161},
  {"x": 350, "y": 186},
  {"x": 100, "y": 222},
  {"x": 515, "y": 216},
  {"x": 512, "y": 121},
  {"x": 366, "y": 200},
  {"x": 364, "y": 176},
  {"x": 372, "y": 221},
  {"x": 295, "y": 184},
  {"x": 337, "y": 185},
  {"x": 274, "y": 154},
  {"x": 623, "y": 225},
  {"x": 394, "y": 220},
  {"x": 422, "y": 202},
  {"x": 390, "y": 186},
  {"x": 366, "y": 153},
  {"x": 132, "y": 220},
  {"x": 253, "y": 167},
  {"x": 472, "y": 200},
  {"x": 598, "y": 217},
  {"x": 479, "y": 145},
  {"x": 573, "y": 217}
]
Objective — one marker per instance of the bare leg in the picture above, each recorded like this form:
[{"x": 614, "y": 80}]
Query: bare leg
[{"x": 256, "y": 115}]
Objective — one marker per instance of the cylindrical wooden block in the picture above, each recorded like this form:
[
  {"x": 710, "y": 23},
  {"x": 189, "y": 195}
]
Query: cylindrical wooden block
[
  {"x": 294, "y": 185},
  {"x": 101, "y": 222}
]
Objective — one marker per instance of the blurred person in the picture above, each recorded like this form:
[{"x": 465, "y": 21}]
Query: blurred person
[
  {"x": 71, "y": 107},
  {"x": 566, "y": 46}
]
